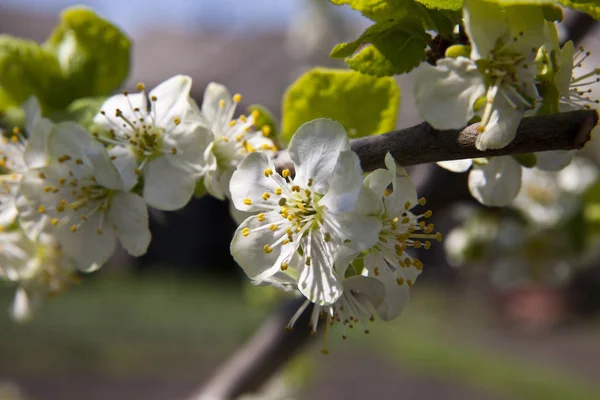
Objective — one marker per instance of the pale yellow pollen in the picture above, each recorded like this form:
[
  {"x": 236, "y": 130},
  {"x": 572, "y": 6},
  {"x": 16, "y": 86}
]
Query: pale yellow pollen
[
  {"x": 47, "y": 189},
  {"x": 41, "y": 209},
  {"x": 278, "y": 191},
  {"x": 225, "y": 139},
  {"x": 247, "y": 201},
  {"x": 62, "y": 181},
  {"x": 407, "y": 205},
  {"x": 422, "y": 201},
  {"x": 260, "y": 217},
  {"x": 266, "y": 130},
  {"x": 400, "y": 281},
  {"x": 255, "y": 114},
  {"x": 222, "y": 103},
  {"x": 286, "y": 173},
  {"x": 268, "y": 172},
  {"x": 60, "y": 208},
  {"x": 232, "y": 123},
  {"x": 238, "y": 138},
  {"x": 376, "y": 271},
  {"x": 265, "y": 196},
  {"x": 428, "y": 214},
  {"x": 267, "y": 248},
  {"x": 243, "y": 118},
  {"x": 285, "y": 241},
  {"x": 54, "y": 221},
  {"x": 14, "y": 138},
  {"x": 284, "y": 266},
  {"x": 308, "y": 261},
  {"x": 176, "y": 121},
  {"x": 140, "y": 86},
  {"x": 99, "y": 231},
  {"x": 41, "y": 175},
  {"x": 409, "y": 283},
  {"x": 237, "y": 97},
  {"x": 273, "y": 227},
  {"x": 246, "y": 231},
  {"x": 73, "y": 228},
  {"x": 405, "y": 220}
]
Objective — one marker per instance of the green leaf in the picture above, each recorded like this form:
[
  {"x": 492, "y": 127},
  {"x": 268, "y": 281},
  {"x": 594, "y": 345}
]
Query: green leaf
[
  {"x": 364, "y": 105},
  {"x": 27, "y": 69},
  {"x": 93, "y": 54},
  {"x": 528, "y": 160},
  {"x": 394, "y": 47},
  {"x": 552, "y": 13},
  {"x": 590, "y": 7},
  {"x": 453, "y": 5},
  {"x": 380, "y": 10}
]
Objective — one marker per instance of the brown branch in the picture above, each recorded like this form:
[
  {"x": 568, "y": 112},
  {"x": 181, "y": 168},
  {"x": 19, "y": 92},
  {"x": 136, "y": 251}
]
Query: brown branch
[
  {"x": 263, "y": 355},
  {"x": 422, "y": 144}
]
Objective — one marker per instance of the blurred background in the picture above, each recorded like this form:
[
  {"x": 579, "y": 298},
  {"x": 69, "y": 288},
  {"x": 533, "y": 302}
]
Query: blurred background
[{"x": 508, "y": 313}]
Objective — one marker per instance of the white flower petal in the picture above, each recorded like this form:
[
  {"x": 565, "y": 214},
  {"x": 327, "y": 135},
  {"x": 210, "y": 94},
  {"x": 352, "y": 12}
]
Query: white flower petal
[
  {"x": 126, "y": 163},
  {"x": 248, "y": 251},
  {"x": 445, "y": 94},
  {"x": 562, "y": 78},
  {"x": 372, "y": 289},
  {"x": 22, "y": 308},
  {"x": 315, "y": 148},
  {"x": 71, "y": 139},
  {"x": 345, "y": 184},
  {"x": 107, "y": 117},
  {"x": 85, "y": 246},
  {"x": 213, "y": 94},
  {"x": 378, "y": 180},
  {"x": 396, "y": 296},
  {"x": 403, "y": 189},
  {"x": 553, "y": 160},
  {"x": 38, "y": 129},
  {"x": 166, "y": 186},
  {"x": 502, "y": 126},
  {"x": 8, "y": 209},
  {"x": 173, "y": 99},
  {"x": 456, "y": 165},
  {"x": 129, "y": 216},
  {"x": 318, "y": 281},
  {"x": 485, "y": 23},
  {"x": 496, "y": 183},
  {"x": 249, "y": 181}
]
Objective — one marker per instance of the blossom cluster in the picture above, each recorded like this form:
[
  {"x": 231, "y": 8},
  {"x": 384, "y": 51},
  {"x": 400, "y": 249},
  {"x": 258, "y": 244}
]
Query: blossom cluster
[
  {"x": 71, "y": 194},
  {"x": 512, "y": 67},
  {"x": 336, "y": 237}
]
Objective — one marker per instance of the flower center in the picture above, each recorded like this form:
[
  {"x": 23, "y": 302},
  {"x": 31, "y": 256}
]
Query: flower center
[{"x": 74, "y": 197}]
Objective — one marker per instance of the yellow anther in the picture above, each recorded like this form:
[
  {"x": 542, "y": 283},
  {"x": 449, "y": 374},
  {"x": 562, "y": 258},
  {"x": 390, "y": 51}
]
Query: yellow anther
[
  {"x": 47, "y": 189},
  {"x": 282, "y": 201},
  {"x": 422, "y": 201},
  {"x": 290, "y": 218},
  {"x": 247, "y": 201},
  {"x": 428, "y": 214},
  {"x": 125, "y": 92},
  {"x": 268, "y": 172},
  {"x": 295, "y": 188},
  {"x": 267, "y": 248},
  {"x": 14, "y": 138},
  {"x": 246, "y": 231},
  {"x": 285, "y": 241},
  {"x": 418, "y": 264},
  {"x": 54, "y": 190},
  {"x": 99, "y": 231},
  {"x": 266, "y": 130},
  {"x": 255, "y": 114},
  {"x": 409, "y": 283},
  {"x": 232, "y": 123},
  {"x": 327, "y": 236},
  {"x": 222, "y": 103},
  {"x": 63, "y": 202},
  {"x": 16, "y": 130},
  {"x": 265, "y": 147},
  {"x": 265, "y": 196},
  {"x": 308, "y": 261},
  {"x": 140, "y": 86},
  {"x": 310, "y": 181},
  {"x": 278, "y": 191},
  {"x": 249, "y": 147},
  {"x": 400, "y": 281},
  {"x": 284, "y": 266},
  {"x": 237, "y": 97},
  {"x": 176, "y": 121},
  {"x": 62, "y": 181},
  {"x": 376, "y": 271},
  {"x": 78, "y": 161},
  {"x": 173, "y": 151},
  {"x": 273, "y": 227},
  {"x": 54, "y": 221},
  {"x": 73, "y": 228},
  {"x": 41, "y": 209},
  {"x": 405, "y": 220},
  {"x": 286, "y": 173},
  {"x": 438, "y": 236},
  {"x": 260, "y": 217},
  {"x": 238, "y": 138},
  {"x": 243, "y": 118},
  {"x": 41, "y": 175}
]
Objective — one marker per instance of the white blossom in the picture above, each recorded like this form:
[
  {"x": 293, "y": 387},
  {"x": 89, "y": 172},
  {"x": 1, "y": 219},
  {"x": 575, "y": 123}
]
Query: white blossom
[
  {"x": 81, "y": 198},
  {"x": 231, "y": 141},
  {"x": 497, "y": 82},
  {"x": 38, "y": 267},
  {"x": 163, "y": 143},
  {"x": 303, "y": 220}
]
